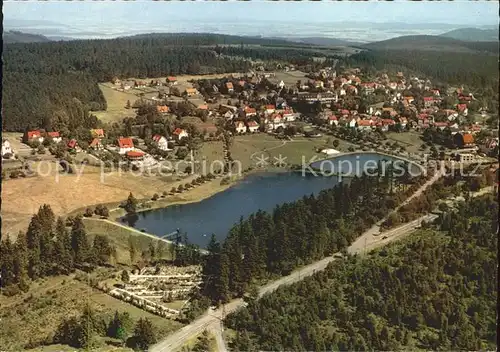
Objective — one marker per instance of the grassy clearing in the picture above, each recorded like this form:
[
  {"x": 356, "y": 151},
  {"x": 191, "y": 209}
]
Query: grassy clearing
[
  {"x": 37, "y": 314},
  {"x": 116, "y": 102},
  {"x": 244, "y": 147},
  {"x": 119, "y": 237},
  {"x": 410, "y": 140}
]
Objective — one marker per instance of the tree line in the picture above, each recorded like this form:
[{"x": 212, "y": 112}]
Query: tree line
[
  {"x": 48, "y": 248},
  {"x": 431, "y": 292}
]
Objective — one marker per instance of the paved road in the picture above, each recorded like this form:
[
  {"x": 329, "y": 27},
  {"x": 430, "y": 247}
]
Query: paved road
[
  {"x": 366, "y": 242},
  {"x": 207, "y": 321}
]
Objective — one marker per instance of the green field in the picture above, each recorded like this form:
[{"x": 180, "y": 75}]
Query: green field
[{"x": 116, "y": 102}]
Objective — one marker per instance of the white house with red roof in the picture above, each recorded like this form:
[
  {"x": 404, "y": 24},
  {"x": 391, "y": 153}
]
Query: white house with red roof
[
  {"x": 462, "y": 108},
  {"x": 436, "y": 92},
  {"x": 6, "y": 148},
  {"x": 253, "y": 126},
  {"x": 250, "y": 111},
  {"x": 55, "y": 136},
  {"x": 34, "y": 136},
  {"x": 180, "y": 133},
  {"x": 125, "y": 144},
  {"x": 332, "y": 120},
  {"x": 364, "y": 125},
  {"x": 96, "y": 144},
  {"x": 441, "y": 125},
  {"x": 288, "y": 115},
  {"x": 428, "y": 101},
  {"x": 270, "y": 109},
  {"x": 240, "y": 127},
  {"x": 161, "y": 142}
]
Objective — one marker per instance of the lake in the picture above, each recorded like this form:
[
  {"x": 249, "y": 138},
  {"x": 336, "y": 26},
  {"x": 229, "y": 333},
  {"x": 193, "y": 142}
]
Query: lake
[{"x": 220, "y": 212}]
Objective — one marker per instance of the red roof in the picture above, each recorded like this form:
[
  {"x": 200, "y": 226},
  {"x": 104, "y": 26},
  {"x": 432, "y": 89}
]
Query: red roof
[
  {"x": 156, "y": 137},
  {"x": 34, "y": 134},
  {"x": 125, "y": 142},
  {"x": 441, "y": 124},
  {"x": 388, "y": 121},
  {"x": 468, "y": 138},
  {"x": 95, "y": 142},
  {"x": 72, "y": 143},
  {"x": 171, "y": 79},
  {"x": 178, "y": 131},
  {"x": 364, "y": 123},
  {"x": 270, "y": 107},
  {"x": 428, "y": 99},
  {"x": 229, "y": 85},
  {"x": 134, "y": 154},
  {"x": 53, "y": 134},
  {"x": 461, "y": 107},
  {"x": 422, "y": 116},
  {"x": 333, "y": 118},
  {"x": 345, "y": 112},
  {"x": 250, "y": 110},
  {"x": 252, "y": 124}
]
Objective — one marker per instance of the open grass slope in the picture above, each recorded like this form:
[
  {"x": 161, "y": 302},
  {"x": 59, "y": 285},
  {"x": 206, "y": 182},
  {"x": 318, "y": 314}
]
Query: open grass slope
[{"x": 473, "y": 34}]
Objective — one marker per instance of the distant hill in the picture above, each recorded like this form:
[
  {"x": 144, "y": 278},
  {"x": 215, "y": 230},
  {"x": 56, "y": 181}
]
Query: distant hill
[
  {"x": 20, "y": 37},
  {"x": 433, "y": 43},
  {"x": 322, "y": 41},
  {"x": 206, "y": 39},
  {"x": 473, "y": 34}
]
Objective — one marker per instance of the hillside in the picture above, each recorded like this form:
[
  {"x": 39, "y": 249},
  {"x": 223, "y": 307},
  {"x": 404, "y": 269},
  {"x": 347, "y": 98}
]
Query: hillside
[
  {"x": 473, "y": 34},
  {"x": 322, "y": 41},
  {"x": 432, "y": 43},
  {"x": 428, "y": 292},
  {"x": 20, "y": 37}
]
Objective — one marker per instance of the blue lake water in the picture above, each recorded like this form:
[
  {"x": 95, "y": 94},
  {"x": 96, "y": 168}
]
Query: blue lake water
[{"x": 220, "y": 212}]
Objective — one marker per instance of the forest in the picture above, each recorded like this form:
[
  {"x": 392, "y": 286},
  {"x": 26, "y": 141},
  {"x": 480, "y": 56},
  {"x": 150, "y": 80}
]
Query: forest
[
  {"x": 433, "y": 291},
  {"x": 470, "y": 69},
  {"x": 293, "y": 234},
  {"x": 56, "y": 82}
]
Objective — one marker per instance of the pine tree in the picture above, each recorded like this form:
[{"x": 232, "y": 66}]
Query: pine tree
[
  {"x": 62, "y": 247},
  {"x": 120, "y": 326},
  {"x": 33, "y": 238},
  {"x": 21, "y": 262},
  {"x": 102, "y": 249},
  {"x": 7, "y": 266},
  {"x": 79, "y": 242},
  {"x": 131, "y": 204},
  {"x": 144, "y": 334},
  {"x": 132, "y": 247}
]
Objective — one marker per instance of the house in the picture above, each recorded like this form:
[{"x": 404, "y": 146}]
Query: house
[
  {"x": 364, "y": 125},
  {"x": 318, "y": 84},
  {"x": 33, "y": 136},
  {"x": 462, "y": 108},
  {"x": 73, "y": 144},
  {"x": 162, "y": 108},
  {"x": 436, "y": 92},
  {"x": 288, "y": 115},
  {"x": 97, "y": 133},
  {"x": 55, "y": 136},
  {"x": 96, "y": 144},
  {"x": 441, "y": 125},
  {"x": 6, "y": 148},
  {"x": 134, "y": 155},
  {"x": 392, "y": 85},
  {"x": 253, "y": 126},
  {"x": 180, "y": 133},
  {"x": 240, "y": 127},
  {"x": 384, "y": 124},
  {"x": 409, "y": 99},
  {"x": 171, "y": 80},
  {"x": 281, "y": 85},
  {"x": 229, "y": 115},
  {"x": 229, "y": 87},
  {"x": 352, "y": 123},
  {"x": 463, "y": 140},
  {"x": 250, "y": 111},
  {"x": 270, "y": 109},
  {"x": 428, "y": 101},
  {"x": 191, "y": 92},
  {"x": 140, "y": 84},
  {"x": 125, "y": 145},
  {"x": 332, "y": 120},
  {"x": 161, "y": 142},
  {"x": 486, "y": 147}
]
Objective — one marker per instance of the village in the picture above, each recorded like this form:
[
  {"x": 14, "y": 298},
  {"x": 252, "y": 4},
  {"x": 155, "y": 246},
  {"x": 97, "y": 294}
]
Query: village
[
  {"x": 175, "y": 120},
  {"x": 305, "y": 105}
]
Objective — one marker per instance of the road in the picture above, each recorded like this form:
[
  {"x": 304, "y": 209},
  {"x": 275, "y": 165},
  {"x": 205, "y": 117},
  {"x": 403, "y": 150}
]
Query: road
[{"x": 366, "y": 242}]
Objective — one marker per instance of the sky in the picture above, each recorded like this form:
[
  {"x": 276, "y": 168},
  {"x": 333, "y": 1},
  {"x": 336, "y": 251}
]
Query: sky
[{"x": 111, "y": 18}]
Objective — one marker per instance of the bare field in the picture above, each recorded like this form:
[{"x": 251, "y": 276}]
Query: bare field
[
  {"x": 67, "y": 193},
  {"x": 38, "y": 313},
  {"x": 290, "y": 78}
]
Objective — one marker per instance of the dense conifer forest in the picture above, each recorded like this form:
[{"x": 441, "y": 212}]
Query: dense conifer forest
[
  {"x": 273, "y": 244},
  {"x": 433, "y": 291}
]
